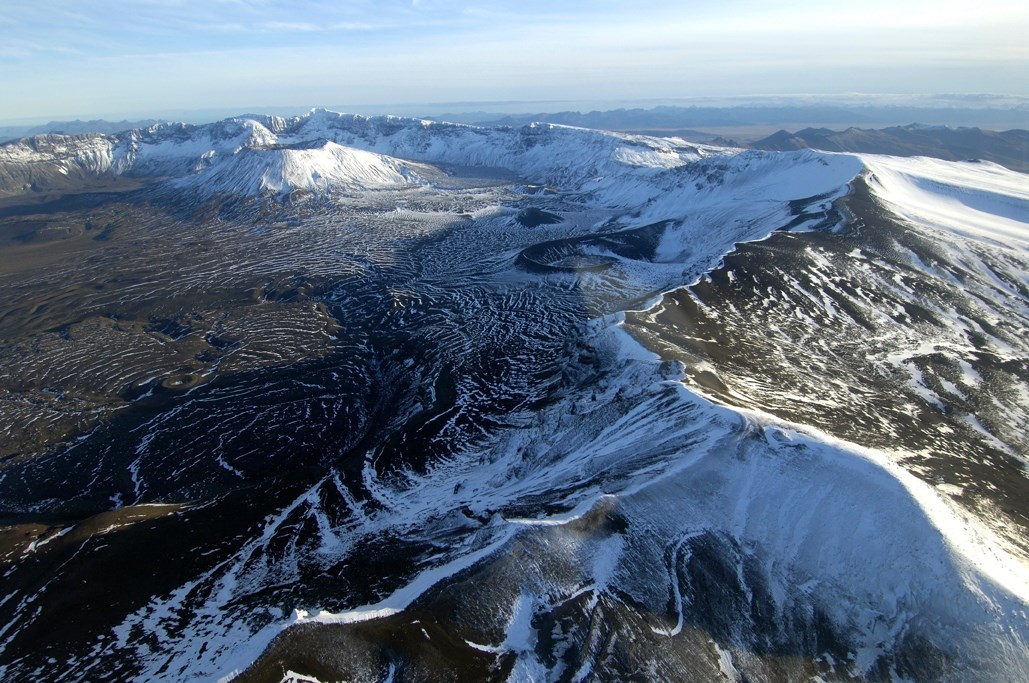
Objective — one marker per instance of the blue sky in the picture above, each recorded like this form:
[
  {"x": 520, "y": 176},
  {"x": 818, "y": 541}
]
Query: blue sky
[{"x": 63, "y": 59}]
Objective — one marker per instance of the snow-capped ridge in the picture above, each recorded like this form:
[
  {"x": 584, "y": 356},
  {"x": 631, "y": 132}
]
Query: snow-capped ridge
[
  {"x": 257, "y": 155},
  {"x": 192, "y": 154},
  {"x": 979, "y": 200}
]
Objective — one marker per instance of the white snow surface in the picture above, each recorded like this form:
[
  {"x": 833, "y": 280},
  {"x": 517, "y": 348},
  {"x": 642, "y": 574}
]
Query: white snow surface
[{"x": 977, "y": 200}]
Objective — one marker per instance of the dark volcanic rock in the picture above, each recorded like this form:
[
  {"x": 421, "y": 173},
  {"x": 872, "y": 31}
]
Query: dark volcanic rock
[{"x": 534, "y": 217}]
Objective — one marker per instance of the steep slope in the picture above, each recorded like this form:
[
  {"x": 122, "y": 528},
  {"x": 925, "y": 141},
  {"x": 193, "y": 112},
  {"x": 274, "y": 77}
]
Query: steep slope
[
  {"x": 920, "y": 301},
  {"x": 977, "y": 201},
  {"x": 62, "y": 162},
  {"x": 56, "y": 162}
]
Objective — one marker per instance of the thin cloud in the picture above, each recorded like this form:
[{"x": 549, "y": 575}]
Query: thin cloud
[
  {"x": 359, "y": 26},
  {"x": 211, "y": 54},
  {"x": 288, "y": 26}
]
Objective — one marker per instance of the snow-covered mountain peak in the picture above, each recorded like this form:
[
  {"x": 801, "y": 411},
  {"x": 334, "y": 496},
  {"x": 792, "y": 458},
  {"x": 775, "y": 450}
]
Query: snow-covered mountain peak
[
  {"x": 258, "y": 134},
  {"x": 279, "y": 169}
]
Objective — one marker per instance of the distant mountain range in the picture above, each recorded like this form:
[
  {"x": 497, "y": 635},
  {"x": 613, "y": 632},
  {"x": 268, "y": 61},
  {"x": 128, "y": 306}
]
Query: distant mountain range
[
  {"x": 76, "y": 127},
  {"x": 673, "y": 118},
  {"x": 1007, "y": 148},
  {"x": 942, "y": 133}
]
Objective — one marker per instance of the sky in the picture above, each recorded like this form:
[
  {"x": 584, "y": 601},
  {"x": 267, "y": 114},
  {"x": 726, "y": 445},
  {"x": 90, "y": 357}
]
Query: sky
[{"x": 63, "y": 59}]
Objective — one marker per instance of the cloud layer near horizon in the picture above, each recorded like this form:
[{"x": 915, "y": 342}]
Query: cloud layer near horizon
[{"x": 64, "y": 58}]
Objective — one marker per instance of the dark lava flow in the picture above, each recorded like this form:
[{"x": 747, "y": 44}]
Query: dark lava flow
[{"x": 189, "y": 373}]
